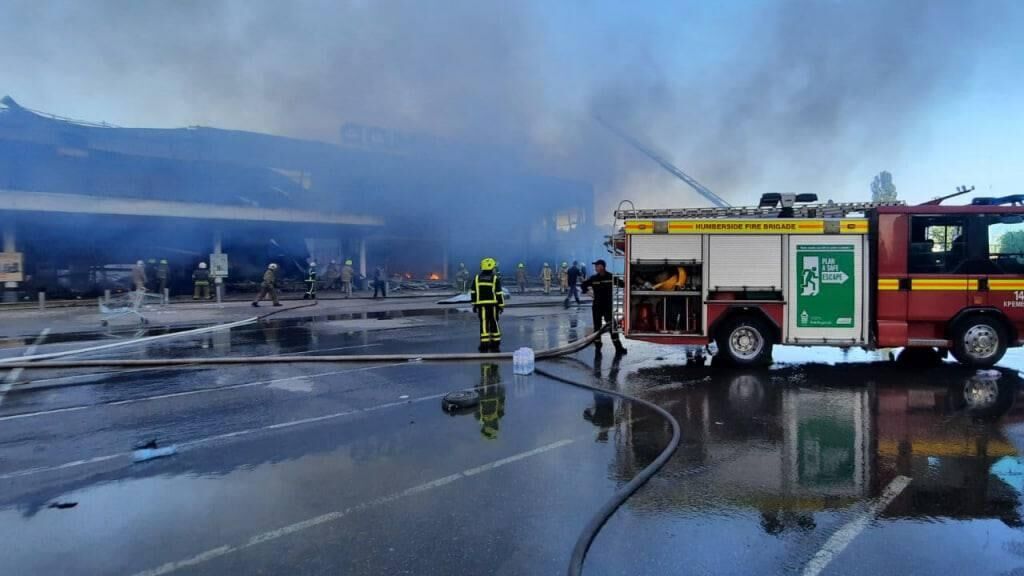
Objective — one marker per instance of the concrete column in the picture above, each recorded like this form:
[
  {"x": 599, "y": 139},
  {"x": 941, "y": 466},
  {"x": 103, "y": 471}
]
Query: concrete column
[
  {"x": 8, "y": 244},
  {"x": 362, "y": 257},
  {"x": 444, "y": 263}
]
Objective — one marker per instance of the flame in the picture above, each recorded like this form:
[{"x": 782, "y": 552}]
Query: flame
[{"x": 434, "y": 276}]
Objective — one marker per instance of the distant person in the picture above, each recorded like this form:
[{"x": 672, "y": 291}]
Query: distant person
[
  {"x": 563, "y": 278},
  {"x": 332, "y": 276},
  {"x": 547, "y": 275},
  {"x": 268, "y": 288},
  {"x": 347, "y": 276},
  {"x": 521, "y": 277},
  {"x": 488, "y": 302},
  {"x": 139, "y": 276},
  {"x": 163, "y": 270},
  {"x": 462, "y": 278},
  {"x": 572, "y": 280},
  {"x": 201, "y": 282},
  {"x": 603, "y": 285},
  {"x": 151, "y": 273},
  {"x": 380, "y": 283},
  {"x": 310, "y": 282}
]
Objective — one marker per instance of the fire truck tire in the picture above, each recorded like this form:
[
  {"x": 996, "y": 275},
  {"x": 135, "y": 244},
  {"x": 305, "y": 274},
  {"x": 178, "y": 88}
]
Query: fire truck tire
[
  {"x": 979, "y": 341},
  {"x": 745, "y": 341}
]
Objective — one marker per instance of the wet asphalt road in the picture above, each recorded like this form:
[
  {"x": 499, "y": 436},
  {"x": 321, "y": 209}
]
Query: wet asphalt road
[{"x": 355, "y": 469}]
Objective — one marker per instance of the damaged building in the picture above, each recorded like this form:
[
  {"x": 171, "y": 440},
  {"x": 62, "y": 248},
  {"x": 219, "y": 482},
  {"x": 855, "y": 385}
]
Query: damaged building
[{"x": 80, "y": 202}]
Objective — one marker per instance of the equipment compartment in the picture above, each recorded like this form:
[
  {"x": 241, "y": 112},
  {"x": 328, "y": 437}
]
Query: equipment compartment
[{"x": 665, "y": 297}]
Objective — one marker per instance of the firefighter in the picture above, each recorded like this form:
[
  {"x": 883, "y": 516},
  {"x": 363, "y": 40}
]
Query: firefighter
[
  {"x": 603, "y": 285},
  {"x": 347, "y": 274},
  {"x": 521, "y": 277},
  {"x": 163, "y": 270},
  {"x": 572, "y": 278},
  {"x": 201, "y": 282},
  {"x": 488, "y": 302},
  {"x": 547, "y": 274},
  {"x": 563, "y": 278},
  {"x": 310, "y": 282},
  {"x": 380, "y": 283},
  {"x": 139, "y": 276},
  {"x": 333, "y": 276},
  {"x": 462, "y": 278},
  {"x": 492, "y": 400},
  {"x": 151, "y": 274},
  {"x": 267, "y": 288}
]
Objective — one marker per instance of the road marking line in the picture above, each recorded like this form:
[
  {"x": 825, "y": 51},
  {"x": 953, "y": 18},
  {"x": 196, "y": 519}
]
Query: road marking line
[
  {"x": 338, "y": 514},
  {"x": 182, "y": 446},
  {"x": 186, "y": 393},
  {"x": 16, "y": 373},
  {"x": 849, "y": 531}
]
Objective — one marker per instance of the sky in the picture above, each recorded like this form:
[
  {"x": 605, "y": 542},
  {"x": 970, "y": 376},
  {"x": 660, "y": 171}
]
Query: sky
[{"x": 747, "y": 97}]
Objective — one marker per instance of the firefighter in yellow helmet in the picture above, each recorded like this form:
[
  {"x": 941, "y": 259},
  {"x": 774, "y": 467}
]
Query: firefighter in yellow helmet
[
  {"x": 521, "y": 278},
  {"x": 492, "y": 400},
  {"x": 563, "y": 278},
  {"x": 488, "y": 302}
]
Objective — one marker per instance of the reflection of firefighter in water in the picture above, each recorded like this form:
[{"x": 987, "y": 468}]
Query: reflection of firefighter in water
[
  {"x": 492, "y": 400},
  {"x": 602, "y": 413}
]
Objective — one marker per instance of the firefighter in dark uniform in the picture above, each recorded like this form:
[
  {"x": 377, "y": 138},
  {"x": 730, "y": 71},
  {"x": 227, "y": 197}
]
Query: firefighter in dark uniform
[
  {"x": 488, "y": 302},
  {"x": 163, "y": 271},
  {"x": 492, "y": 401},
  {"x": 603, "y": 285},
  {"x": 201, "y": 282}
]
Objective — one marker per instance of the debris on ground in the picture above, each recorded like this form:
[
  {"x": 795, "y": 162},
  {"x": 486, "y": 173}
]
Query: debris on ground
[{"x": 145, "y": 454}]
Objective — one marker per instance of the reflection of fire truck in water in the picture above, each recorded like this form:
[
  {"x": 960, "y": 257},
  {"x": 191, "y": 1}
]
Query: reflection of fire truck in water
[{"x": 869, "y": 275}]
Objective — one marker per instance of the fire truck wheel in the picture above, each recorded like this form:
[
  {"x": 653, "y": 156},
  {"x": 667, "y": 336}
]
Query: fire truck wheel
[
  {"x": 745, "y": 341},
  {"x": 979, "y": 341}
]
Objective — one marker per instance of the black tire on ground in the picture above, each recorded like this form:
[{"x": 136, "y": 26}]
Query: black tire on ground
[
  {"x": 979, "y": 341},
  {"x": 745, "y": 340},
  {"x": 460, "y": 399}
]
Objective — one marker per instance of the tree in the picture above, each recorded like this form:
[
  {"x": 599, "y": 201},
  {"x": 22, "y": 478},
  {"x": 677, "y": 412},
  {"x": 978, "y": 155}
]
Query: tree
[
  {"x": 882, "y": 188},
  {"x": 1011, "y": 243}
]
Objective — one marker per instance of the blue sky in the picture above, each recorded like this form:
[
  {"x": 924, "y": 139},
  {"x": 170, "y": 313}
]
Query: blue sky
[{"x": 748, "y": 97}]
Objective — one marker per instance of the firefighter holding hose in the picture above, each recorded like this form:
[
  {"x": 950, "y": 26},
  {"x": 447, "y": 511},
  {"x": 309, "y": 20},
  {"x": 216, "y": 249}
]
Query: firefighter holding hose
[{"x": 488, "y": 302}]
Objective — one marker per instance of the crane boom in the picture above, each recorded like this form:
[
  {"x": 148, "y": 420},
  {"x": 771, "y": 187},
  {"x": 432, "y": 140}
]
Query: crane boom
[{"x": 672, "y": 169}]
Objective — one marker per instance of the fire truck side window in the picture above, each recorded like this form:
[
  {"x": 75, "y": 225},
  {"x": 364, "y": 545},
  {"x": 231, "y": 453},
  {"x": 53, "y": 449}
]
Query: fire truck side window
[
  {"x": 1005, "y": 250},
  {"x": 937, "y": 245}
]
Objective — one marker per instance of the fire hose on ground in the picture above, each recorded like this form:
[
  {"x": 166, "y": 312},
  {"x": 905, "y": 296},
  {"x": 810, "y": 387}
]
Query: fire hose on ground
[{"x": 590, "y": 530}]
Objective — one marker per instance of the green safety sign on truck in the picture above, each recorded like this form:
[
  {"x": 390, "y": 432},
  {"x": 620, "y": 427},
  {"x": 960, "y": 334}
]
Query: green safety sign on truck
[{"x": 825, "y": 286}]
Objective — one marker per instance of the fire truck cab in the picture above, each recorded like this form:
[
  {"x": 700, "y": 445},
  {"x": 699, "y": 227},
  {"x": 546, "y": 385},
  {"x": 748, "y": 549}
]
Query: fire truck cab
[{"x": 871, "y": 275}]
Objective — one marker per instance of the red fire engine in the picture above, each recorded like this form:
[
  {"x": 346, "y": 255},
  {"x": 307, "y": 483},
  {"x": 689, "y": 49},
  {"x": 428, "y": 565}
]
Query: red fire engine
[{"x": 871, "y": 275}]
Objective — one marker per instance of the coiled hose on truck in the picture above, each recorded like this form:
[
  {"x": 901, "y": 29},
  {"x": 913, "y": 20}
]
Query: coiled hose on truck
[{"x": 590, "y": 530}]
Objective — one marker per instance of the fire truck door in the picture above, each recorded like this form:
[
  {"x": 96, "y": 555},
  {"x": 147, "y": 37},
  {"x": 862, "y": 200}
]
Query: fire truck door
[
  {"x": 999, "y": 259},
  {"x": 939, "y": 279}
]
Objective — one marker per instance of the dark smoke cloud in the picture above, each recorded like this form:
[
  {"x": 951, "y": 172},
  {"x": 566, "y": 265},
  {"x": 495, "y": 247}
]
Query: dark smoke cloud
[{"x": 782, "y": 97}]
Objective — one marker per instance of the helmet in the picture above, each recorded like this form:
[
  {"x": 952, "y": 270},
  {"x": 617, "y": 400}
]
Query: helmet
[
  {"x": 334, "y": 262},
  {"x": 488, "y": 264},
  {"x": 163, "y": 261},
  {"x": 140, "y": 263},
  {"x": 272, "y": 266},
  {"x": 202, "y": 265},
  {"x": 521, "y": 265},
  {"x": 565, "y": 264},
  {"x": 546, "y": 265},
  {"x": 348, "y": 262},
  {"x": 312, "y": 264},
  {"x": 462, "y": 264}
]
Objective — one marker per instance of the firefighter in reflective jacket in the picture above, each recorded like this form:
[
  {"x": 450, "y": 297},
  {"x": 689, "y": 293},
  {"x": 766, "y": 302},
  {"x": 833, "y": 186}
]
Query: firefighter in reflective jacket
[
  {"x": 488, "y": 302},
  {"x": 492, "y": 400}
]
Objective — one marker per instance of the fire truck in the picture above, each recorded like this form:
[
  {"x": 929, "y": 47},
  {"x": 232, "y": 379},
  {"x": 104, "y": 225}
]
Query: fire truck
[{"x": 796, "y": 272}]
